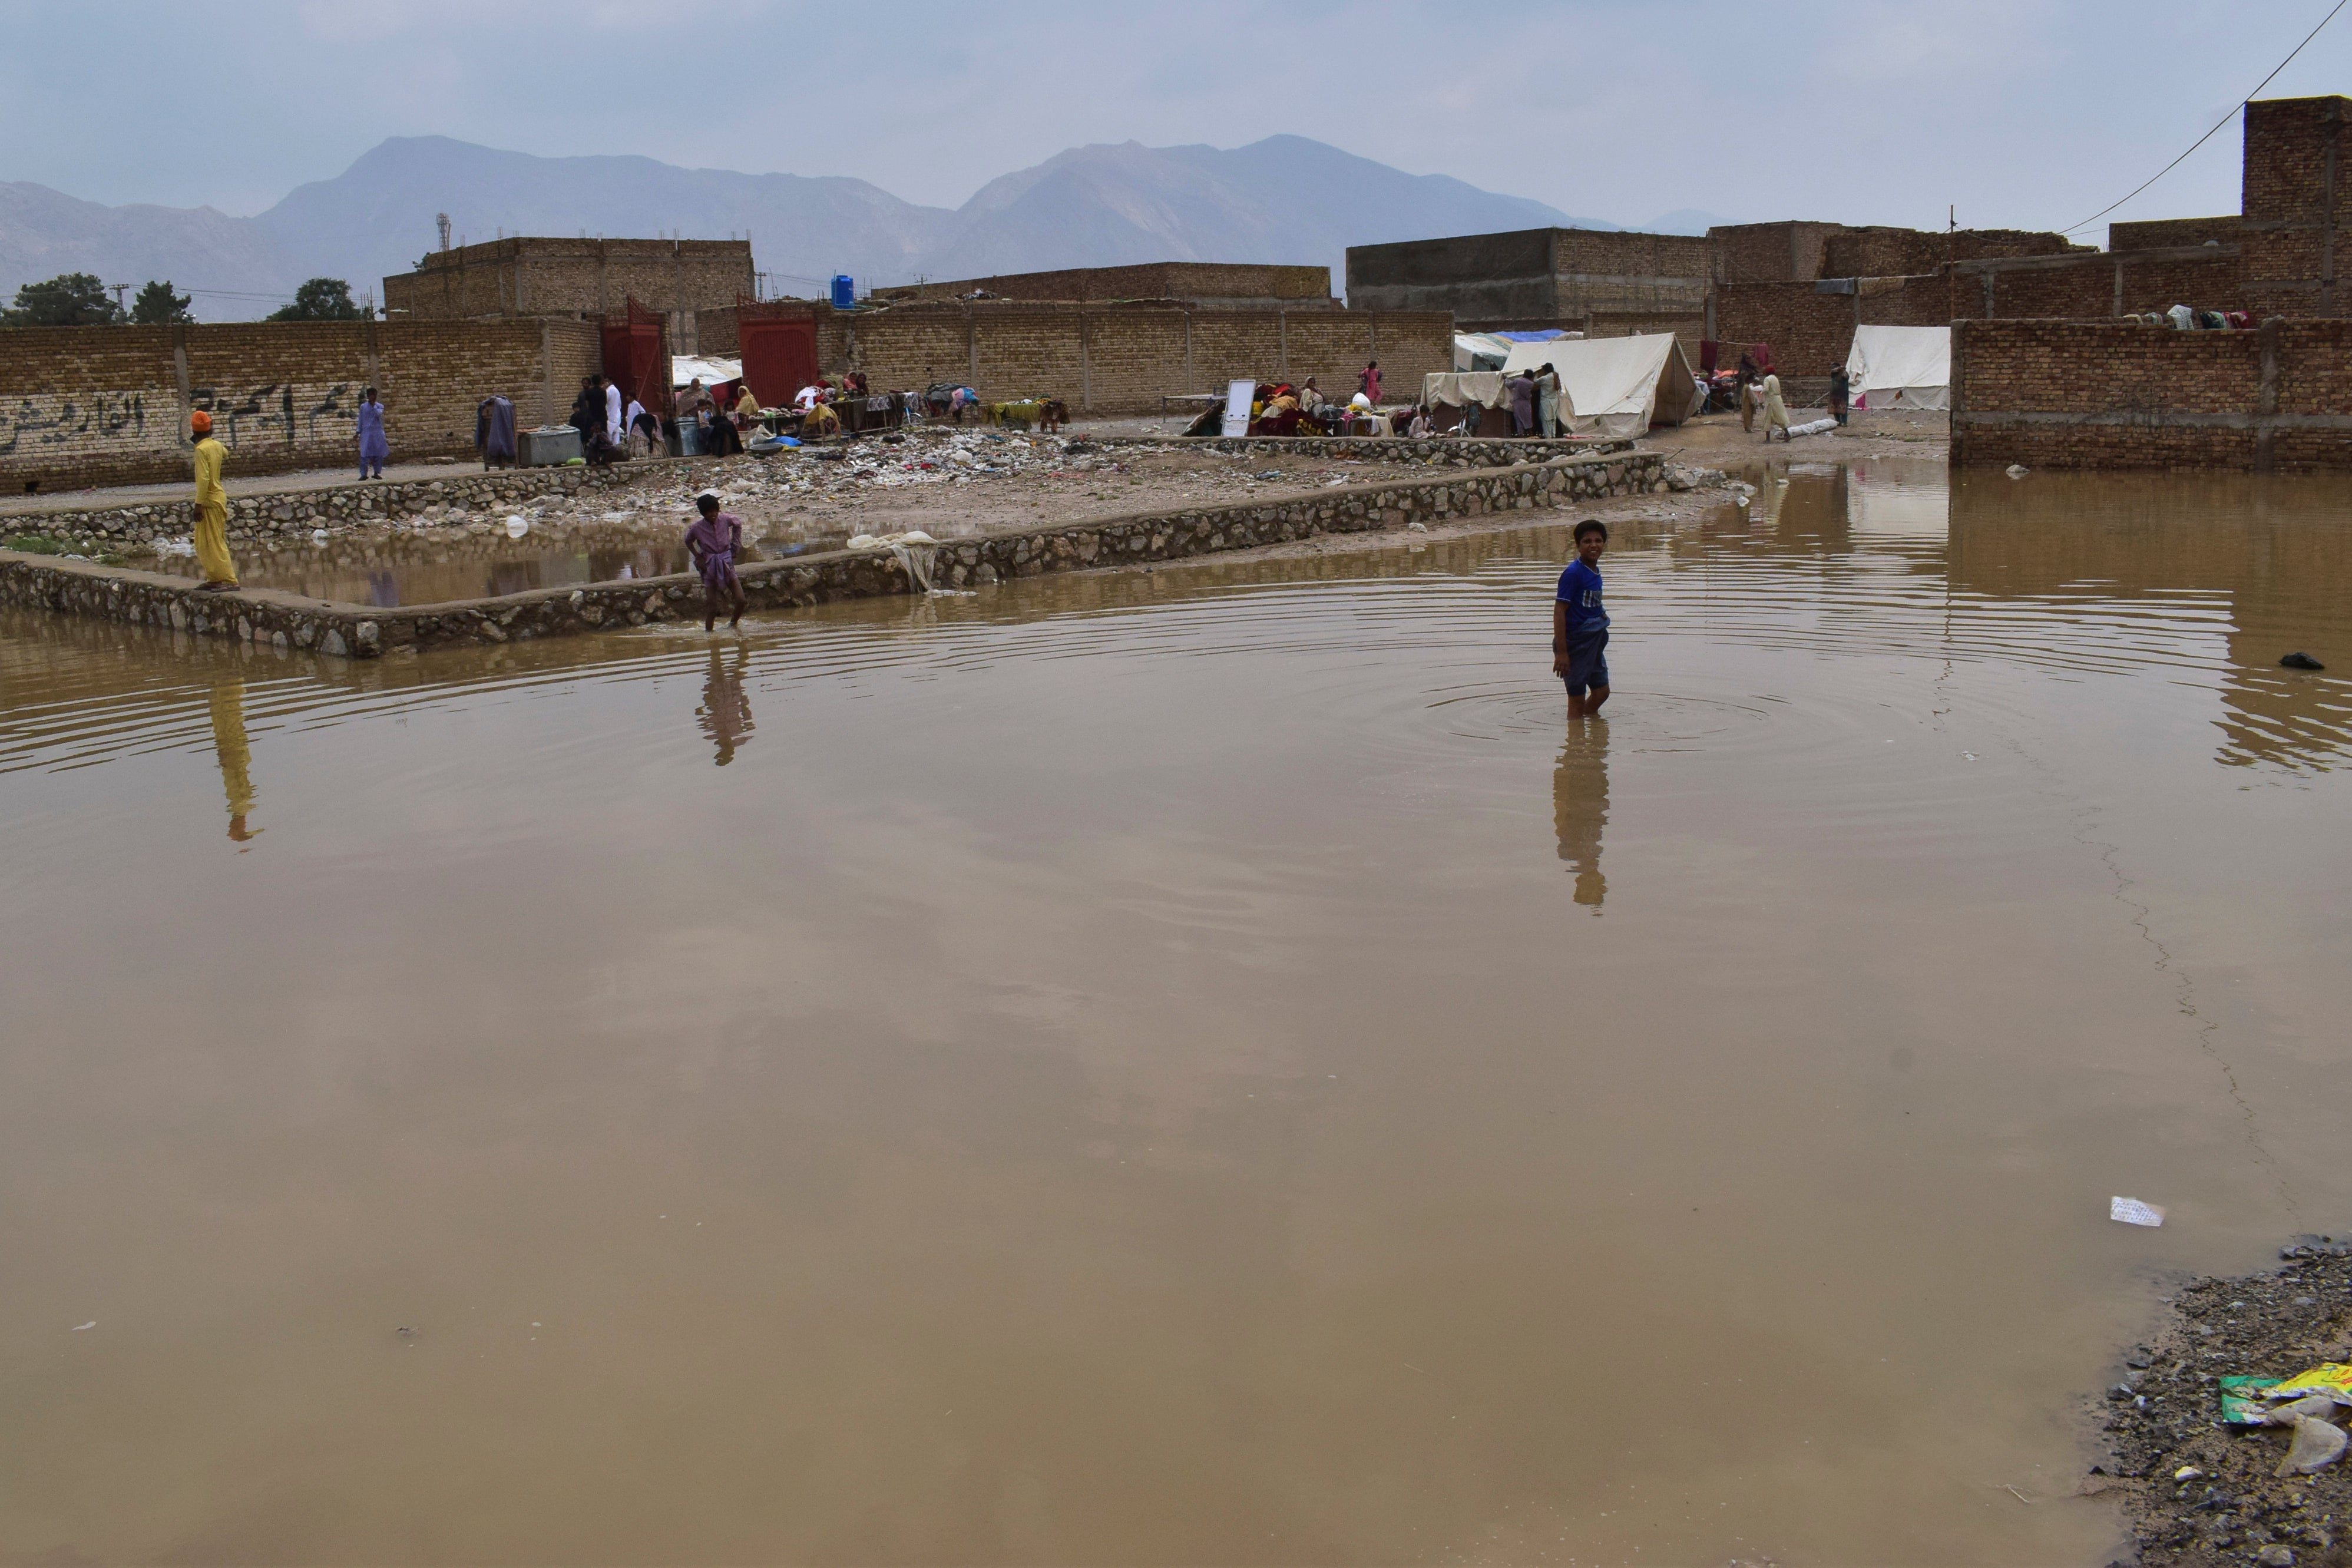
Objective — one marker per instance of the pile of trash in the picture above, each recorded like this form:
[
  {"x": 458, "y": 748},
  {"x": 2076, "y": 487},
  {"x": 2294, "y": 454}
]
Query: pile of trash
[{"x": 2228, "y": 1431}]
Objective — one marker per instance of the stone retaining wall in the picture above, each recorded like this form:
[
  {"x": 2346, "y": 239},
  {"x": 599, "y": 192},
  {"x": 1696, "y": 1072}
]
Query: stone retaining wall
[
  {"x": 296, "y": 513},
  {"x": 1384, "y": 449},
  {"x": 283, "y": 620}
]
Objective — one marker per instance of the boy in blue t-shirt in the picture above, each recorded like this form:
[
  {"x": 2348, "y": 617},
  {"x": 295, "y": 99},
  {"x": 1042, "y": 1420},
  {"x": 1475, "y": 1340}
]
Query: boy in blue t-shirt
[{"x": 1580, "y": 624}]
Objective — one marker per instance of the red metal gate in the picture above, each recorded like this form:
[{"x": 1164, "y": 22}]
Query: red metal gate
[
  {"x": 636, "y": 357},
  {"x": 779, "y": 356}
]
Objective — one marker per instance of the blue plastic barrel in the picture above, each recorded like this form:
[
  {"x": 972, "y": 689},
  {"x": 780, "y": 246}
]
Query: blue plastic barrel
[{"x": 845, "y": 292}]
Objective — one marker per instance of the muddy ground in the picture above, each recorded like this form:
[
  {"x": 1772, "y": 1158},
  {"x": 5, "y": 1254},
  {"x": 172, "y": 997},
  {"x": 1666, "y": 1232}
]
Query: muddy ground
[
  {"x": 2196, "y": 1492},
  {"x": 1716, "y": 438}
]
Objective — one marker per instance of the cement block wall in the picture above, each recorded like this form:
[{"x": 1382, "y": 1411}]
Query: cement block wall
[
  {"x": 1123, "y": 358},
  {"x": 545, "y": 277},
  {"x": 1603, "y": 282},
  {"x": 1477, "y": 277},
  {"x": 2100, "y": 394},
  {"x": 97, "y": 406}
]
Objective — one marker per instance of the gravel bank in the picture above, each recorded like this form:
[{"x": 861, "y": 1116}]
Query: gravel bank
[{"x": 2163, "y": 1417}]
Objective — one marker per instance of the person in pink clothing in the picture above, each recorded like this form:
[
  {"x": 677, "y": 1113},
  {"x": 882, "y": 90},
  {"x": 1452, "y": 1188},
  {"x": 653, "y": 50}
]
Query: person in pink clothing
[{"x": 1368, "y": 381}]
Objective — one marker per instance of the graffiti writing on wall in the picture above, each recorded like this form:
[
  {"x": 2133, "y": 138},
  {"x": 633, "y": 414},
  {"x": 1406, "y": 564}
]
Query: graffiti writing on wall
[
  {"x": 57, "y": 421},
  {"x": 281, "y": 412},
  {"x": 275, "y": 414}
]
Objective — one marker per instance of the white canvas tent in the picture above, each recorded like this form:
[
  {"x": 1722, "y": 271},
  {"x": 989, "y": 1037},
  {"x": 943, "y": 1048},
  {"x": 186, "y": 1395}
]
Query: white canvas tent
[
  {"x": 684, "y": 368},
  {"x": 1469, "y": 348},
  {"x": 1617, "y": 388},
  {"x": 1901, "y": 367}
]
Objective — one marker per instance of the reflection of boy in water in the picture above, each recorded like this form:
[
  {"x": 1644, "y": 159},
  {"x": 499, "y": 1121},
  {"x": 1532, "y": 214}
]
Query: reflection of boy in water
[
  {"x": 1579, "y": 808},
  {"x": 1580, "y": 624},
  {"x": 725, "y": 713}
]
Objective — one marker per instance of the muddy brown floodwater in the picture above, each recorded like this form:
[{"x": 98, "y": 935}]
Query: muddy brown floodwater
[{"x": 1198, "y": 1066}]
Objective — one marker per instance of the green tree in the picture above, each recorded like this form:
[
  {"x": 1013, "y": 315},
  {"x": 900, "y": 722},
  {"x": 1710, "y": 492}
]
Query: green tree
[
  {"x": 68, "y": 300},
  {"x": 322, "y": 300},
  {"x": 157, "y": 306}
]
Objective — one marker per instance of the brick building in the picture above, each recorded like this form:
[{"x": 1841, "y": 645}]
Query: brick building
[
  {"x": 1602, "y": 282},
  {"x": 583, "y": 278},
  {"x": 1217, "y": 285},
  {"x": 2080, "y": 392}
]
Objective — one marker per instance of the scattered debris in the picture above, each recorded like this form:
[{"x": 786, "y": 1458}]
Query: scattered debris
[
  {"x": 2016, "y": 470},
  {"x": 2230, "y": 1460},
  {"x": 2300, "y": 661},
  {"x": 2131, "y": 1211},
  {"x": 79, "y": 1327},
  {"x": 2316, "y": 1445}
]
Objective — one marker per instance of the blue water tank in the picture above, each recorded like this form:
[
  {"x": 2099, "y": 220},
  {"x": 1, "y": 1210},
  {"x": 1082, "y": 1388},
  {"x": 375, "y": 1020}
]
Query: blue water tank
[{"x": 845, "y": 292}]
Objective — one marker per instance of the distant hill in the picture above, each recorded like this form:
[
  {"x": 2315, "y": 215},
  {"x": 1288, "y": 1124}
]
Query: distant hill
[
  {"x": 1284, "y": 199},
  {"x": 376, "y": 218},
  {"x": 44, "y": 233}
]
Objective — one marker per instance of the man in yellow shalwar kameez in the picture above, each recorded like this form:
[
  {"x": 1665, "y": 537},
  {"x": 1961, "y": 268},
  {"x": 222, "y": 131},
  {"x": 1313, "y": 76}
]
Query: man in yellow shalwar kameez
[{"x": 212, "y": 508}]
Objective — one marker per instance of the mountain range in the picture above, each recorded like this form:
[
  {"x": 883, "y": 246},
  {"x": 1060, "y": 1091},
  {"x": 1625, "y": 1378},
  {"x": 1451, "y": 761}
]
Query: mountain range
[{"x": 1284, "y": 199}]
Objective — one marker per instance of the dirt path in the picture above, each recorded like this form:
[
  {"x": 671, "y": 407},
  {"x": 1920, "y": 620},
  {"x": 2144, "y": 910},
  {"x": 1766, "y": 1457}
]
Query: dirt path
[{"x": 1716, "y": 439}]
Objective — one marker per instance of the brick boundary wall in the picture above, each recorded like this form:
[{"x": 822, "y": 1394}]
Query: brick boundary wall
[
  {"x": 82, "y": 406},
  {"x": 287, "y": 622},
  {"x": 2102, "y": 395},
  {"x": 1121, "y": 359}
]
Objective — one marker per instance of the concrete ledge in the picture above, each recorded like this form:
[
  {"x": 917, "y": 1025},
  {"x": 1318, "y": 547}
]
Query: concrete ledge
[
  {"x": 288, "y": 514},
  {"x": 1480, "y": 452},
  {"x": 78, "y": 588}
]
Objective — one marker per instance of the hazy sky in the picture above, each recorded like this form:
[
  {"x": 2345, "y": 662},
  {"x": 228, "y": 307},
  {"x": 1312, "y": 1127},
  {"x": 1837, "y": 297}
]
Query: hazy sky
[{"x": 2025, "y": 113}]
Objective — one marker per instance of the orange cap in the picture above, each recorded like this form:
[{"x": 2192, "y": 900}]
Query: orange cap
[{"x": 200, "y": 421}]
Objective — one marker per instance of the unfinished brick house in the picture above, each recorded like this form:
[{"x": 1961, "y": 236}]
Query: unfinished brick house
[
  {"x": 583, "y": 278},
  {"x": 2088, "y": 390},
  {"x": 1602, "y": 282}
]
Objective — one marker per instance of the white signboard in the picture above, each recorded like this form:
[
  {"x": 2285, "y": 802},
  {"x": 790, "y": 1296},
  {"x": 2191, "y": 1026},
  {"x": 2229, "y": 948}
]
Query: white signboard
[{"x": 1238, "y": 396}]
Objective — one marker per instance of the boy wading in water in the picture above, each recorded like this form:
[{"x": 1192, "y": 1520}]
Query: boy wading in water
[
  {"x": 711, "y": 540},
  {"x": 1580, "y": 625}
]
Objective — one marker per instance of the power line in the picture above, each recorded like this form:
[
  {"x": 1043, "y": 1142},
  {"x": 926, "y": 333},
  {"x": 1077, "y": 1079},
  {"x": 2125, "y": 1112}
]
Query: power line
[{"x": 2225, "y": 120}]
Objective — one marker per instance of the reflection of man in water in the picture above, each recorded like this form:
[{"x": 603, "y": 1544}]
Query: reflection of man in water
[
  {"x": 236, "y": 757},
  {"x": 1579, "y": 806},
  {"x": 725, "y": 713}
]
